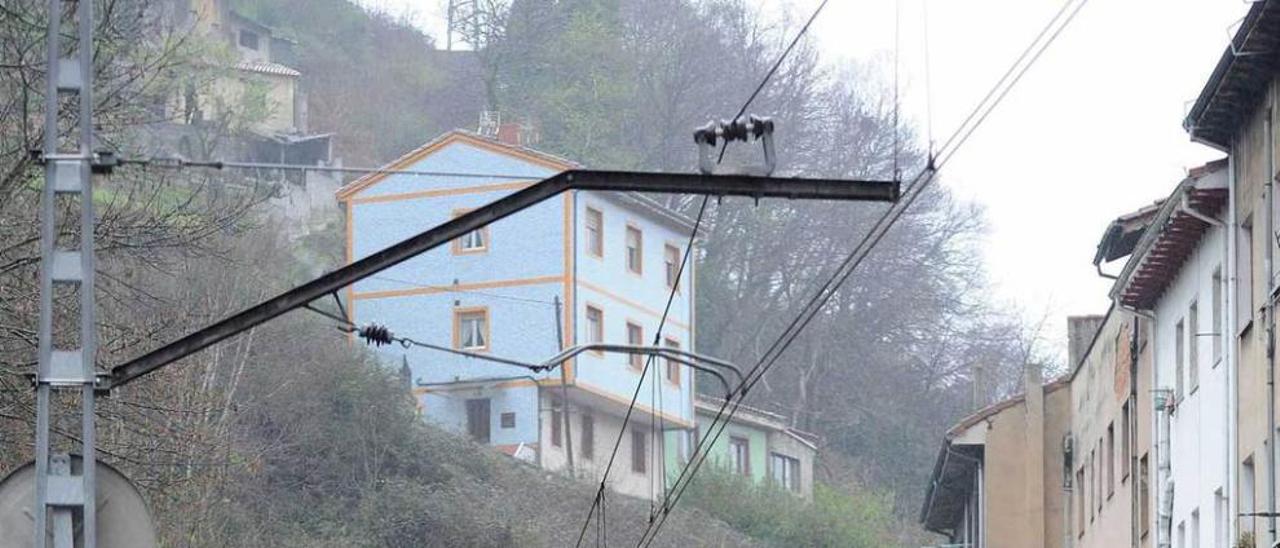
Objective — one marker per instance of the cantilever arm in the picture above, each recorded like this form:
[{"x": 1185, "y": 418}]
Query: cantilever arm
[
  {"x": 679, "y": 356},
  {"x": 671, "y": 183}
]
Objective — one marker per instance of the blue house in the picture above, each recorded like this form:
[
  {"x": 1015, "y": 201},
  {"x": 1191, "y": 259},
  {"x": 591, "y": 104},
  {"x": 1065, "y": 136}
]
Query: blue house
[{"x": 608, "y": 259}]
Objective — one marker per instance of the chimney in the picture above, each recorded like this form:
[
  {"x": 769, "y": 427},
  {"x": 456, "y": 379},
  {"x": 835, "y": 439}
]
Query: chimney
[
  {"x": 1034, "y": 466},
  {"x": 510, "y": 133},
  {"x": 1080, "y": 331}
]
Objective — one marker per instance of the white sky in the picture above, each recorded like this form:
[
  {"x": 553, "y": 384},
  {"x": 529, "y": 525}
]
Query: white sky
[{"x": 1091, "y": 132}]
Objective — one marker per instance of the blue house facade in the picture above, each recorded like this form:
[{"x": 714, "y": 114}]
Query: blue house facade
[{"x": 607, "y": 259}]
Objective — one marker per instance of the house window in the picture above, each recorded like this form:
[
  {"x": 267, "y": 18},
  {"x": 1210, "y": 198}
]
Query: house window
[
  {"x": 1080, "y": 508},
  {"x": 635, "y": 337},
  {"x": 639, "y": 451},
  {"x": 740, "y": 455},
  {"x": 785, "y": 471},
  {"x": 1111, "y": 459},
  {"x": 1144, "y": 494},
  {"x": 1125, "y": 442},
  {"x": 1247, "y": 501},
  {"x": 249, "y": 39},
  {"x": 673, "y": 367},
  {"x": 471, "y": 329},
  {"x": 1097, "y": 475},
  {"x": 476, "y": 241},
  {"x": 1244, "y": 274},
  {"x": 588, "y": 434},
  {"x": 1193, "y": 346},
  {"x": 688, "y": 440},
  {"x": 1216, "y": 316},
  {"x": 507, "y": 420},
  {"x": 1093, "y": 483},
  {"x": 671, "y": 260},
  {"x": 557, "y": 424},
  {"x": 478, "y": 419},
  {"x": 635, "y": 250},
  {"x": 595, "y": 325},
  {"x": 1179, "y": 359},
  {"x": 595, "y": 232}
]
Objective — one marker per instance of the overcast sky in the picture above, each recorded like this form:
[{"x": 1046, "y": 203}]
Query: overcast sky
[{"x": 1093, "y": 131}]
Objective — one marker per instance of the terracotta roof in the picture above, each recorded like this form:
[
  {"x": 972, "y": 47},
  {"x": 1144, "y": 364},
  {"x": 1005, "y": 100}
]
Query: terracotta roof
[
  {"x": 995, "y": 408},
  {"x": 1123, "y": 233},
  {"x": 1172, "y": 237},
  {"x": 264, "y": 67}
]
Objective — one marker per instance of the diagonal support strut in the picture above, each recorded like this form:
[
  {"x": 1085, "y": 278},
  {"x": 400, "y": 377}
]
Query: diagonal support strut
[{"x": 666, "y": 183}]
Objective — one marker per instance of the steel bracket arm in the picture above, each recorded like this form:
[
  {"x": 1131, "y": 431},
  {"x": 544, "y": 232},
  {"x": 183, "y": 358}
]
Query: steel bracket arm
[
  {"x": 668, "y": 183},
  {"x": 680, "y": 356}
]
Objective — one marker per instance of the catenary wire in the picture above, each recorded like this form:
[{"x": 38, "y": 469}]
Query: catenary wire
[
  {"x": 926, "y": 176},
  {"x": 701, "y": 210},
  {"x": 648, "y": 363},
  {"x": 181, "y": 163}
]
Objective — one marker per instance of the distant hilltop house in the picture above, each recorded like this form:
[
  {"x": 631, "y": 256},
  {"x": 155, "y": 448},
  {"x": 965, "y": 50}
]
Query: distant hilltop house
[
  {"x": 259, "y": 81},
  {"x": 581, "y": 268}
]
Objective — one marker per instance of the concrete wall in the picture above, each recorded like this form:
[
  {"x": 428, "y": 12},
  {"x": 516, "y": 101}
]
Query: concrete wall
[
  {"x": 622, "y": 479},
  {"x": 757, "y": 439},
  {"x": 1249, "y": 163},
  {"x": 1010, "y": 521},
  {"x": 448, "y": 409},
  {"x": 1100, "y": 389}
]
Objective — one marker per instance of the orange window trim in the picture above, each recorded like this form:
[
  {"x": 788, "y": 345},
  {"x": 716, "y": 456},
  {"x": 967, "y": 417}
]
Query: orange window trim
[
  {"x": 440, "y": 192},
  {"x": 598, "y": 335},
  {"x": 456, "y": 245},
  {"x": 458, "y": 313},
  {"x": 639, "y": 270},
  {"x": 635, "y": 361},
  {"x": 672, "y": 374},
  {"x": 434, "y": 289},
  {"x": 570, "y": 244},
  {"x": 677, "y": 256},
  {"x": 596, "y": 250},
  {"x": 630, "y": 303}
]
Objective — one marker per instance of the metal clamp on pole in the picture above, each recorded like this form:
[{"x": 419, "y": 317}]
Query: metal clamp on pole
[{"x": 753, "y": 128}]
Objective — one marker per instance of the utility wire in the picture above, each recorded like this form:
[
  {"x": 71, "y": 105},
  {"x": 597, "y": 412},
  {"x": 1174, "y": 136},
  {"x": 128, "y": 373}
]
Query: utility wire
[
  {"x": 181, "y": 163},
  {"x": 679, "y": 273},
  {"x": 684, "y": 260},
  {"x": 881, "y": 227}
]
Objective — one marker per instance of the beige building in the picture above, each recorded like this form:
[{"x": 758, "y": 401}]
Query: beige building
[
  {"x": 998, "y": 477},
  {"x": 1069, "y": 465},
  {"x": 1110, "y": 428},
  {"x": 1236, "y": 113}
]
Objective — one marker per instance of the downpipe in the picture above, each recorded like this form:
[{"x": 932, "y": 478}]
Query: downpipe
[
  {"x": 1269, "y": 315},
  {"x": 1164, "y": 476}
]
